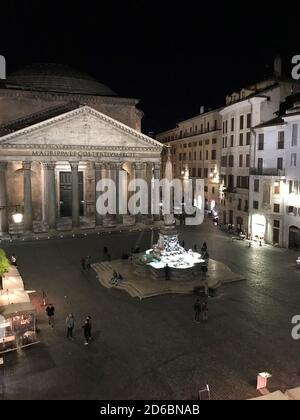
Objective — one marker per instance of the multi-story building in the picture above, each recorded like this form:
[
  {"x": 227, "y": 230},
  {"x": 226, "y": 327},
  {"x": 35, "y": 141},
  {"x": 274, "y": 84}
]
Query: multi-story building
[
  {"x": 244, "y": 110},
  {"x": 196, "y": 148},
  {"x": 275, "y": 179}
]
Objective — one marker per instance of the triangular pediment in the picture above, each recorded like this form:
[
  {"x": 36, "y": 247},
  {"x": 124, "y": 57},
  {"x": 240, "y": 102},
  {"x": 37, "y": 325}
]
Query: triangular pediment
[{"x": 81, "y": 127}]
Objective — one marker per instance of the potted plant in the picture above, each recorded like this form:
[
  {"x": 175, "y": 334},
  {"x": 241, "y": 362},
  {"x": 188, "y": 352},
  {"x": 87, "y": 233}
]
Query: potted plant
[{"x": 4, "y": 263}]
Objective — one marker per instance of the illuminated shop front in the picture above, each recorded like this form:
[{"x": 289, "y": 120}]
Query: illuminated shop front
[
  {"x": 258, "y": 226},
  {"x": 17, "y": 314}
]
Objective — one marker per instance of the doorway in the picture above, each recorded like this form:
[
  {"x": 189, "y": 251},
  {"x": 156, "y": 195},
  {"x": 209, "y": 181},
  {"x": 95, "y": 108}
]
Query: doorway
[
  {"x": 294, "y": 238},
  {"x": 65, "y": 193}
]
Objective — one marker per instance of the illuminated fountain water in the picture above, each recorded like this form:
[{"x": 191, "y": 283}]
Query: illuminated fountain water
[{"x": 168, "y": 252}]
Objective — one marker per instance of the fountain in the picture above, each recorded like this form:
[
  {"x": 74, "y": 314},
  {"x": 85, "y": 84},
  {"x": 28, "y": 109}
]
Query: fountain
[{"x": 168, "y": 253}]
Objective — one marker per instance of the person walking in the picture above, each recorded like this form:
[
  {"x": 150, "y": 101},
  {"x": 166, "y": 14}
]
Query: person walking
[
  {"x": 50, "y": 310},
  {"x": 70, "y": 323},
  {"x": 13, "y": 260},
  {"x": 89, "y": 262},
  {"x": 197, "y": 309},
  {"x": 83, "y": 263},
  {"x": 204, "y": 248},
  {"x": 90, "y": 327},
  {"x": 86, "y": 330},
  {"x": 204, "y": 310}
]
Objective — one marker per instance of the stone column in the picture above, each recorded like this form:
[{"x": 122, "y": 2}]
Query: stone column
[
  {"x": 50, "y": 188},
  {"x": 157, "y": 217},
  {"x": 27, "y": 196},
  {"x": 3, "y": 199},
  {"x": 98, "y": 177},
  {"x": 149, "y": 177},
  {"x": 138, "y": 174},
  {"x": 118, "y": 168},
  {"x": 75, "y": 194}
]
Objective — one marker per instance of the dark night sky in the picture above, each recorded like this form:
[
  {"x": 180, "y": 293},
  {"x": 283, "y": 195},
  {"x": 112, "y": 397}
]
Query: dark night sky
[{"x": 173, "y": 56}]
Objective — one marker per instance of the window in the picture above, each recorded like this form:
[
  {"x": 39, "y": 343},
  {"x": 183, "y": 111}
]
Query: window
[
  {"x": 280, "y": 163},
  {"x": 223, "y": 131},
  {"x": 208, "y": 127},
  {"x": 180, "y": 156},
  {"x": 241, "y": 122},
  {"x": 213, "y": 190},
  {"x": 205, "y": 189},
  {"x": 200, "y": 143},
  {"x": 241, "y": 161},
  {"x": 239, "y": 181},
  {"x": 191, "y": 130},
  {"x": 248, "y": 120},
  {"x": 195, "y": 156},
  {"x": 260, "y": 165},
  {"x": 206, "y": 155},
  {"x": 200, "y": 155},
  {"x": 255, "y": 205},
  {"x": 185, "y": 145},
  {"x": 190, "y": 155},
  {"x": 246, "y": 205},
  {"x": 295, "y": 135},
  {"x": 276, "y": 187},
  {"x": 231, "y": 161},
  {"x": 226, "y": 126},
  {"x": 232, "y": 124},
  {"x": 248, "y": 138},
  {"x": 241, "y": 139},
  {"x": 184, "y": 156},
  {"x": 240, "y": 204},
  {"x": 205, "y": 172},
  {"x": 190, "y": 144},
  {"x": 196, "y": 129},
  {"x": 295, "y": 187},
  {"x": 214, "y": 141},
  {"x": 199, "y": 172},
  {"x": 201, "y": 128},
  {"x": 247, "y": 161},
  {"x": 216, "y": 124},
  {"x": 290, "y": 187},
  {"x": 224, "y": 161},
  {"x": 232, "y": 140},
  {"x": 245, "y": 182},
  {"x": 276, "y": 208},
  {"x": 294, "y": 159},
  {"x": 180, "y": 135},
  {"x": 276, "y": 224},
  {"x": 225, "y": 142},
  {"x": 261, "y": 141},
  {"x": 256, "y": 185},
  {"x": 213, "y": 155},
  {"x": 291, "y": 210},
  {"x": 207, "y": 141},
  {"x": 280, "y": 139},
  {"x": 194, "y": 172}
]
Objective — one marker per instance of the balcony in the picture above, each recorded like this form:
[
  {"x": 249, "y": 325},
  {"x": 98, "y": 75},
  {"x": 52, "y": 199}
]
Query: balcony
[{"x": 267, "y": 171}]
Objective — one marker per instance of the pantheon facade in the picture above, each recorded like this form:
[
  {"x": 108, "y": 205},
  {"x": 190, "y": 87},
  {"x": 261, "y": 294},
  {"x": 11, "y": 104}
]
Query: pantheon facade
[{"x": 61, "y": 131}]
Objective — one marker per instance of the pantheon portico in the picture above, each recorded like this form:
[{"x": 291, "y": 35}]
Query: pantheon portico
[{"x": 51, "y": 159}]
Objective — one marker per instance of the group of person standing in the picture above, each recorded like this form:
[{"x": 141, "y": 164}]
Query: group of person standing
[
  {"x": 201, "y": 308},
  {"x": 70, "y": 324}
]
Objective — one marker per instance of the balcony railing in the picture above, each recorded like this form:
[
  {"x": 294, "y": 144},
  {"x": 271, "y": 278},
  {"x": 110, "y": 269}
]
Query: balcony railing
[{"x": 267, "y": 171}]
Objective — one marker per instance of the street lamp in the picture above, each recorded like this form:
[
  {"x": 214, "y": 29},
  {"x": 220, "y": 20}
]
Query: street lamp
[{"x": 17, "y": 215}]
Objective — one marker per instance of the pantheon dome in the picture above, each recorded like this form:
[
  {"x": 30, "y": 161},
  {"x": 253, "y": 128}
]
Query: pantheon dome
[{"x": 50, "y": 77}]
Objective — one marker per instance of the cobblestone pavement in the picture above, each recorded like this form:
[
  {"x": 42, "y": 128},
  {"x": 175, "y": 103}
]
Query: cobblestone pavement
[{"x": 153, "y": 349}]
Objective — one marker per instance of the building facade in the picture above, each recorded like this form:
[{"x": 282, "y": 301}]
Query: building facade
[
  {"x": 244, "y": 110},
  {"x": 60, "y": 133},
  {"x": 196, "y": 150},
  {"x": 275, "y": 180}
]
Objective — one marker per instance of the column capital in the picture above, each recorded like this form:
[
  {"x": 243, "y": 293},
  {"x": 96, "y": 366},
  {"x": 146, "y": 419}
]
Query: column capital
[
  {"x": 50, "y": 166},
  {"x": 156, "y": 165},
  {"x": 3, "y": 165},
  {"x": 26, "y": 165},
  {"x": 74, "y": 166},
  {"x": 137, "y": 166},
  {"x": 99, "y": 165},
  {"x": 116, "y": 165}
]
